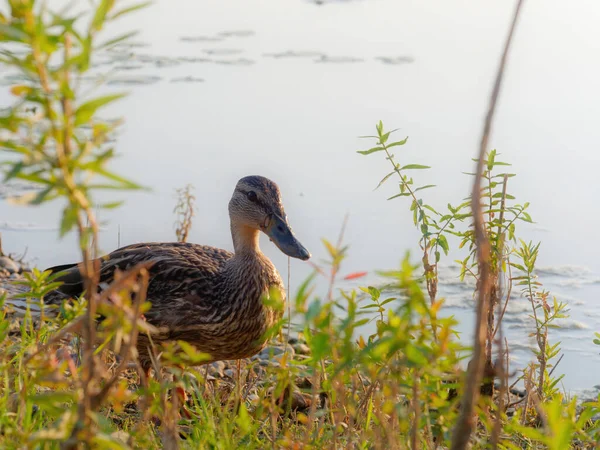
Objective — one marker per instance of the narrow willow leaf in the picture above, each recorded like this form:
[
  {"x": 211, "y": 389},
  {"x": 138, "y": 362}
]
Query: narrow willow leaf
[
  {"x": 100, "y": 16},
  {"x": 424, "y": 187},
  {"x": 384, "y": 179},
  {"x": 129, "y": 9},
  {"x": 125, "y": 184},
  {"x": 371, "y": 150},
  {"x": 443, "y": 242},
  {"x": 490, "y": 160},
  {"x": 374, "y": 292},
  {"x": 68, "y": 221},
  {"x": 117, "y": 40},
  {"x": 395, "y": 144},
  {"x": 20, "y": 90},
  {"x": 415, "y": 166},
  {"x": 330, "y": 248},
  {"x": 499, "y": 195},
  {"x": 111, "y": 205},
  {"x": 401, "y": 194},
  {"x": 85, "y": 112},
  {"x": 388, "y": 300},
  {"x": 11, "y": 33},
  {"x": 430, "y": 208},
  {"x": 43, "y": 196},
  {"x": 16, "y": 170}
]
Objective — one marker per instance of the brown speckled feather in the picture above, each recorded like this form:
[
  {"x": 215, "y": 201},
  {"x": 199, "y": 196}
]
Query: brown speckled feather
[{"x": 198, "y": 293}]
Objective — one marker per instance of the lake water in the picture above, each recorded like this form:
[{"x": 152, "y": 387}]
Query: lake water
[{"x": 222, "y": 89}]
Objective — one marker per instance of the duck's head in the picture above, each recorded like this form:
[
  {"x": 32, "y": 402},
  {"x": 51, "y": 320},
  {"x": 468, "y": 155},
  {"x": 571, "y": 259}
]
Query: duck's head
[{"x": 256, "y": 205}]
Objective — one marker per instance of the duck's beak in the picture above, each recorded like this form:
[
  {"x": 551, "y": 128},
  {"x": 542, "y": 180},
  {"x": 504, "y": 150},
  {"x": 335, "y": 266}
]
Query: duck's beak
[{"x": 281, "y": 234}]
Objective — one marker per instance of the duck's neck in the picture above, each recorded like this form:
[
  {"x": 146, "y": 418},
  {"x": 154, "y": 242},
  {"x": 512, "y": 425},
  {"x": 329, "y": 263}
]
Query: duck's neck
[{"x": 245, "y": 240}]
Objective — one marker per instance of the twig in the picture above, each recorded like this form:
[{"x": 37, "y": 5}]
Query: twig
[
  {"x": 335, "y": 265},
  {"x": 139, "y": 300},
  {"x": 414, "y": 434},
  {"x": 497, "y": 271},
  {"x": 289, "y": 307},
  {"x": 555, "y": 366},
  {"x": 465, "y": 424}
]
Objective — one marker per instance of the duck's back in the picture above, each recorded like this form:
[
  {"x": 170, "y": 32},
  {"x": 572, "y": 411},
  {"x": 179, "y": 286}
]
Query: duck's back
[
  {"x": 199, "y": 294},
  {"x": 178, "y": 273}
]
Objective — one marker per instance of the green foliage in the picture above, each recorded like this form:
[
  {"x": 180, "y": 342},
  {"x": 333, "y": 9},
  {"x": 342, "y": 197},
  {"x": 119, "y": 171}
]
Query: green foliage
[
  {"x": 400, "y": 384},
  {"x": 56, "y": 140}
]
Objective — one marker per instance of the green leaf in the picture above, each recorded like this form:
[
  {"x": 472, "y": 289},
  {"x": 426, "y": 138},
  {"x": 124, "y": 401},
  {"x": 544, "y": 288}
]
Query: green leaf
[
  {"x": 117, "y": 40},
  {"x": 11, "y": 33},
  {"x": 424, "y": 187},
  {"x": 443, "y": 242},
  {"x": 384, "y": 179},
  {"x": 374, "y": 292},
  {"x": 42, "y": 196},
  {"x": 111, "y": 205},
  {"x": 124, "y": 183},
  {"x": 371, "y": 150},
  {"x": 69, "y": 219},
  {"x": 129, "y": 9},
  {"x": 415, "y": 166},
  {"x": 85, "y": 112},
  {"x": 402, "y": 194},
  {"x": 100, "y": 16},
  {"x": 430, "y": 208},
  {"x": 330, "y": 248},
  {"x": 395, "y": 144},
  {"x": 490, "y": 160}
]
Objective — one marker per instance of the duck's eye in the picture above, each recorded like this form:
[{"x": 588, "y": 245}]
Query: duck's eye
[{"x": 252, "y": 196}]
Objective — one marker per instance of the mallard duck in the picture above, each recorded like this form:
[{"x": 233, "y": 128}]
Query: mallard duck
[{"x": 206, "y": 296}]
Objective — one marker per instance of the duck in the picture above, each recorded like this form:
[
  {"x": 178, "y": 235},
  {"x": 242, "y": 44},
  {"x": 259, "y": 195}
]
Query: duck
[{"x": 208, "y": 297}]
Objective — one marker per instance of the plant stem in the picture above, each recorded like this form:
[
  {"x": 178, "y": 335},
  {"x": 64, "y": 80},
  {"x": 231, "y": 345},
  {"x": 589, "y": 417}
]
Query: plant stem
[{"x": 465, "y": 424}]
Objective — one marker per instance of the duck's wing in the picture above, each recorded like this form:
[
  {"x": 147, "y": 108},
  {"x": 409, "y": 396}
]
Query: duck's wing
[{"x": 182, "y": 276}]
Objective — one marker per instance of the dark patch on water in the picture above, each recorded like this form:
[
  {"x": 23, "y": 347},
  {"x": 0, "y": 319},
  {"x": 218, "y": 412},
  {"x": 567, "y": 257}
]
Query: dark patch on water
[
  {"x": 188, "y": 79},
  {"x": 193, "y": 59},
  {"x": 235, "y": 62},
  {"x": 395, "y": 60},
  {"x": 17, "y": 188},
  {"x": 201, "y": 38},
  {"x": 158, "y": 61},
  {"x": 13, "y": 78},
  {"x": 294, "y": 54},
  {"x": 223, "y": 51},
  {"x": 129, "y": 67},
  {"x": 338, "y": 59},
  {"x": 237, "y": 33},
  {"x": 126, "y": 46},
  {"x": 134, "y": 80},
  {"x": 19, "y": 226}
]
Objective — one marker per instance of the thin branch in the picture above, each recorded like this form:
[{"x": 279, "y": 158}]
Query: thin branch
[
  {"x": 466, "y": 421},
  {"x": 125, "y": 355}
]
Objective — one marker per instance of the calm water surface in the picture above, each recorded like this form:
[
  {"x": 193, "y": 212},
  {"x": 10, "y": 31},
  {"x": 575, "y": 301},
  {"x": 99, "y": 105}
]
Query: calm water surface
[{"x": 223, "y": 89}]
